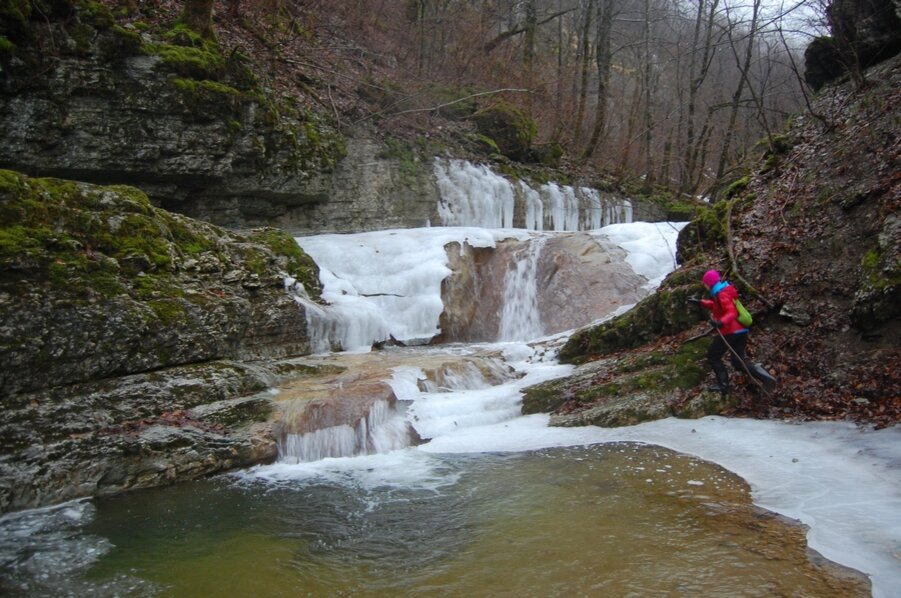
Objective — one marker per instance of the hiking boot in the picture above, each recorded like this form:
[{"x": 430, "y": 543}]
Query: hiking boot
[{"x": 722, "y": 379}]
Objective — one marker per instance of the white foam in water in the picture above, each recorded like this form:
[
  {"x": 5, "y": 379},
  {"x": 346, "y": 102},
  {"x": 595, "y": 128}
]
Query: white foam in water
[{"x": 398, "y": 469}]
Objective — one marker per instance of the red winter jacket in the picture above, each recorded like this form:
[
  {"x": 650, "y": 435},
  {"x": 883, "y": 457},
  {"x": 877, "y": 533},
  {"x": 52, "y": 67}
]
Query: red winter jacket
[{"x": 723, "y": 307}]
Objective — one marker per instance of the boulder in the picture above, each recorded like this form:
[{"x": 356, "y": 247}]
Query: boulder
[
  {"x": 864, "y": 33},
  {"x": 126, "y": 334}
]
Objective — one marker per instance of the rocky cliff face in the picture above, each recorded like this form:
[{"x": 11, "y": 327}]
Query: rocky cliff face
[
  {"x": 185, "y": 120},
  {"x": 864, "y": 32},
  {"x": 120, "y": 325},
  {"x": 577, "y": 281},
  {"x": 175, "y": 116},
  {"x": 370, "y": 188}
]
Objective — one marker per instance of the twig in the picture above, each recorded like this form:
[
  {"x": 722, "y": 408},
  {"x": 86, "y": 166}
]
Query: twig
[
  {"x": 733, "y": 261},
  {"x": 697, "y": 336},
  {"x": 329, "y": 71},
  {"x": 457, "y": 101},
  {"x": 332, "y": 102},
  {"x": 433, "y": 108}
]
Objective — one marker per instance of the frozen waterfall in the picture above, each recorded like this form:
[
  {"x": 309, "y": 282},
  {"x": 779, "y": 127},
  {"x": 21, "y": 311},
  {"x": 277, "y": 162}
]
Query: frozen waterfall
[
  {"x": 474, "y": 195},
  {"x": 385, "y": 284}
]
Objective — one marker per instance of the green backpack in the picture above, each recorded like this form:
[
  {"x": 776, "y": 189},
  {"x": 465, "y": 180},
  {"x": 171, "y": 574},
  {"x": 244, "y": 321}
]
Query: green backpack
[{"x": 744, "y": 316}]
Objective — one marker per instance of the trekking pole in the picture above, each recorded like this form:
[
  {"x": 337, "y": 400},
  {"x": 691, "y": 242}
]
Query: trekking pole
[
  {"x": 696, "y": 337},
  {"x": 743, "y": 364}
]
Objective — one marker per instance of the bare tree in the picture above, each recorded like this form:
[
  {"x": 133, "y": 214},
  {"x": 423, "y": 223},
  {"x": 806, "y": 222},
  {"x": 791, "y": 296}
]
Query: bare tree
[
  {"x": 602, "y": 60},
  {"x": 743, "y": 65},
  {"x": 584, "y": 68}
]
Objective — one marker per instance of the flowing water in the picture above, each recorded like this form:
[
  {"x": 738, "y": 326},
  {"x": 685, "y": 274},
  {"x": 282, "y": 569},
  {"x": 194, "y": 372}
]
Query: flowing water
[
  {"x": 520, "y": 320},
  {"x": 410, "y": 470}
]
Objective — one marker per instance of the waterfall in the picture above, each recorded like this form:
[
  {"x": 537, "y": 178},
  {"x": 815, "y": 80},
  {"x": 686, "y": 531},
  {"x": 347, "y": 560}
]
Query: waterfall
[
  {"x": 472, "y": 195},
  {"x": 534, "y": 207},
  {"x": 564, "y": 207},
  {"x": 384, "y": 284},
  {"x": 353, "y": 426},
  {"x": 383, "y": 429},
  {"x": 390, "y": 283},
  {"x": 520, "y": 319}
]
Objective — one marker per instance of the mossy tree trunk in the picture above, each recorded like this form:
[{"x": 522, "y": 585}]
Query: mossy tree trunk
[{"x": 198, "y": 16}]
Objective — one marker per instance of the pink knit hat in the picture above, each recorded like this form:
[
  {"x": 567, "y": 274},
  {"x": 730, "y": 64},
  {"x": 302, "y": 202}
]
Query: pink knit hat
[{"x": 711, "y": 277}]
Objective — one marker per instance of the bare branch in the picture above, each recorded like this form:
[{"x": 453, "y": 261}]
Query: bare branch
[
  {"x": 501, "y": 37},
  {"x": 457, "y": 101}
]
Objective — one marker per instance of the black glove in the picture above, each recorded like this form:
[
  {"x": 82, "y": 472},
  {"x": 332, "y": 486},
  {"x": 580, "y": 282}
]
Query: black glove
[
  {"x": 716, "y": 323},
  {"x": 694, "y": 300}
]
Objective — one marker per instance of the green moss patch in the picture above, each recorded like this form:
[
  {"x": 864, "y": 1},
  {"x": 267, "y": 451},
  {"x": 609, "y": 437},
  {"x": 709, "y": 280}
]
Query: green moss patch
[
  {"x": 297, "y": 264},
  {"x": 88, "y": 240},
  {"x": 634, "y": 383},
  {"x": 511, "y": 130}
]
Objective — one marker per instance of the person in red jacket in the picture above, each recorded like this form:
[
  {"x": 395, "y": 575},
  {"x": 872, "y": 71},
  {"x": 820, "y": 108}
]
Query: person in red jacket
[{"x": 733, "y": 335}]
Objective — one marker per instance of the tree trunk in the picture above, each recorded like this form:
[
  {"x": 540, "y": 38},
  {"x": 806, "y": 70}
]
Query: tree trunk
[
  {"x": 528, "y": 53},
  {"x": 744, "y": 67},
  {"x": 647, "y": 80},
  {"x": 602, "y": 61},
  {"x": 585, "y": 52},
  {"x": 698, "y": 71},
  {"x": 198, "y": 16}
]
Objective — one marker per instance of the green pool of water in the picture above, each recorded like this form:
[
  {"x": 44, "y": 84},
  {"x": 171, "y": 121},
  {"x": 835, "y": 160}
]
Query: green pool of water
[{"x": 609, "y": 520}]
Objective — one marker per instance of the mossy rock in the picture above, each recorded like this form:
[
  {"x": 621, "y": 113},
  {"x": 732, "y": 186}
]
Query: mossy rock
[
  {"x": 83, "y": 238},
  {"x": 126, "y": 287},
  {"x": 676, "y": 206},
  {"x": 877, "y": 298},
  {"x": 14, "y": 17},
  {"x": 509, "y": 128},
  {"x": 297, "y": 264},
  {"x": 548, "y": 154},
  {"x": 705, "y": 233},
  {"x": 626, "y": 390},
  {"x": 823, "y": 62},
  {"x": 622, "y": 378},
  {"x": 664, "y": 313},
  {"x": 455, "y": 103}
]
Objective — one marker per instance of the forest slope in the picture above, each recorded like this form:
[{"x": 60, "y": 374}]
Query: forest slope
[{"x": 812, "y": 238}]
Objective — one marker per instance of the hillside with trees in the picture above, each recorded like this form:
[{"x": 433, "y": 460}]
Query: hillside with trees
[{"x": 655, "y": 92}]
